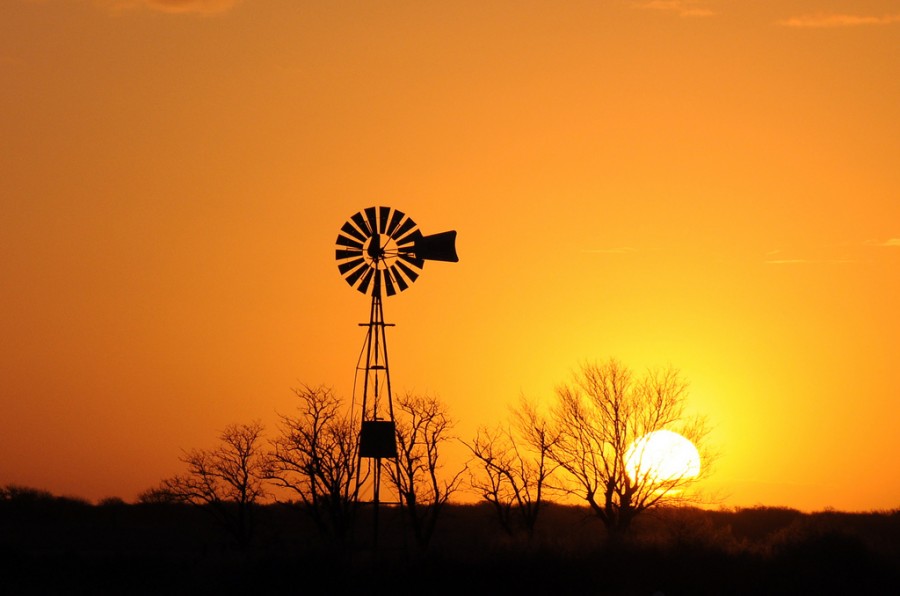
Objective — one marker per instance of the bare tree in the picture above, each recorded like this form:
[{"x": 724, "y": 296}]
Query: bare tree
[
  {"x": 316, "y": 457},
  {"x": 598, "y": 417},
  {"x": 227, "y": 480},
  {"x": 422, "y": 426},
  {"x": 515, "y": 468}
]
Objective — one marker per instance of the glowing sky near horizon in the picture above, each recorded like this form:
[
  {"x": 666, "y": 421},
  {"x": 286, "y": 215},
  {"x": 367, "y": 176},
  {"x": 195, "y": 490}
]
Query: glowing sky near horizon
[{"x": 708, "y": 184}]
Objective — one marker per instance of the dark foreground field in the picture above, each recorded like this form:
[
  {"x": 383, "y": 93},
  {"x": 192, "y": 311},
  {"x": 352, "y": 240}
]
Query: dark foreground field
[{"x": 63, "y": 546}]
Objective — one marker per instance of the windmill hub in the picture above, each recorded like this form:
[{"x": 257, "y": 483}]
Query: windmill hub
[{"x": 375, "y": 251}]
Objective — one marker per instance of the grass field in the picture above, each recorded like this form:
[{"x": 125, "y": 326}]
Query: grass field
[{"x": 51, "y": 545}]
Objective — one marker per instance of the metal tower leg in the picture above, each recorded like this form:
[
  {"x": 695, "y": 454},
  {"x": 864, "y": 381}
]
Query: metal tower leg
[{"x": 378, "y": 433}]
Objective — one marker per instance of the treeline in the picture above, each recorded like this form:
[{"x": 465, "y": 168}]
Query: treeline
[
  {"x": 581, "y": 445},
  {"x": 291, "y": 508},
  {"x": 51, "y": 544}
]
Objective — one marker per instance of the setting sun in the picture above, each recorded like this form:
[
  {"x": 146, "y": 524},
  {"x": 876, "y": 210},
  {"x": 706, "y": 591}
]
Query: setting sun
[{"x": 662, "y": 456}]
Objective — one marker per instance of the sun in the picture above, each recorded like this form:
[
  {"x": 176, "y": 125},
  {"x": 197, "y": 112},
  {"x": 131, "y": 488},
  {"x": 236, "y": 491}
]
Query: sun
[{"x": 662, "y": 457}]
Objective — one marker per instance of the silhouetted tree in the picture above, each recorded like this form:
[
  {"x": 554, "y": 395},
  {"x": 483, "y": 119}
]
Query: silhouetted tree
[
  {"x": 598, "y": 417},
  {"x": 514, "y": 468},
  {"x": 423, "y": 426},
  {"x": 228, "y": 480},
  {"x": 316, "y": 457}
]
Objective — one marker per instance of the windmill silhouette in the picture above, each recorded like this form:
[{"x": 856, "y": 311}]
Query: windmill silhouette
[{"x": 380, "y": 250}]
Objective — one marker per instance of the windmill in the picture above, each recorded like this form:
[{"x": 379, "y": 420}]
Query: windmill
[{"x": 380, "y": 250}]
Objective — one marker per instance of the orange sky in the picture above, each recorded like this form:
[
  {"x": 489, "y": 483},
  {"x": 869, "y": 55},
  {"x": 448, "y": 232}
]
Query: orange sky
[{"x": 711, "y": 184}]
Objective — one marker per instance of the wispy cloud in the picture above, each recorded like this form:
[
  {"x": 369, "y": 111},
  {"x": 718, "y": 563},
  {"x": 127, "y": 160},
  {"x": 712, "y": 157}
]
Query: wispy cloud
[
  {"x": 173, "y": 6},
  {"x": 684, "y": 8},
  {"x": 826, "y": 20},
  {"x": 778, "y": 257}
]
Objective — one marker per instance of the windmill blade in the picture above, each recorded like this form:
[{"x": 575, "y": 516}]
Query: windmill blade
[
  {"x": 367, "y": 278},
  {"x": 401, "y": 283},
  {"x": 355, "y": 275},
  {"x": 351, "y": 242},
  {"x": 410, "y": 273},
  {"x": 396, "y": 217},
  {"x": 350, "y": 230},
  {"x": 360, "y": 222},
  {"x": 372, "y": 218},
  {"x": 388, "y": 283},
  {"x": 347, "y": 254},
  {"x": 349, "y": 265},
  {"x": 404, "y": 229},
  {"x": 412, "y": 237},
  {"x": 383, "y": 215}
]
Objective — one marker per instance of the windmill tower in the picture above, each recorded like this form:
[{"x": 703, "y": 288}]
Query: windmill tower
[{"x": 380, "y": 251}]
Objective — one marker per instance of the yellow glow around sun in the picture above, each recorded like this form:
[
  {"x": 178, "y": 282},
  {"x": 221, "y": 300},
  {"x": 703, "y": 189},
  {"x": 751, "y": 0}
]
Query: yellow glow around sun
[{"x": 662, "y": 456}]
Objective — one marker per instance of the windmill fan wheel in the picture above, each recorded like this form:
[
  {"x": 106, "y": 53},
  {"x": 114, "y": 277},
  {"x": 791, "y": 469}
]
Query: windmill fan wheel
[{"x": 381, "y": 250}]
